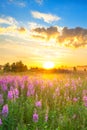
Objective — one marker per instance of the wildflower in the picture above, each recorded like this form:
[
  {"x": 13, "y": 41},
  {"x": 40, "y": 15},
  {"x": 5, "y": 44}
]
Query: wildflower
[
  {"x": 5, "y": 110},
  {"x": 0, "y": 121},
  {"x": 38, "y": 104},
  {"x": 28, "y": 93},
  {"x": 85, "y": 104},
  {"x": 75, "y": 99},
  {"x": 35, "y": 117},
  {"x": 16, "y": 93},
  {"x": 10, "y": 94},
  {"x": 85, "y": 100},
  {"x": 1, "y": 99},
  {"x": 4, "y": 87}
]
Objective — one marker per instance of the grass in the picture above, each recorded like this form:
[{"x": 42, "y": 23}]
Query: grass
[{"x": 43, "y": 101}]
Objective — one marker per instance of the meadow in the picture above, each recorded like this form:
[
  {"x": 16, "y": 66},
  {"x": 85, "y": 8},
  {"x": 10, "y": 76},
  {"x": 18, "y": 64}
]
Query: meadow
[{"x": 43, "y": 102}]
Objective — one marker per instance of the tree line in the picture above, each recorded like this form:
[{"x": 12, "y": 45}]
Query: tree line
[{"x": 15, "y": 67}]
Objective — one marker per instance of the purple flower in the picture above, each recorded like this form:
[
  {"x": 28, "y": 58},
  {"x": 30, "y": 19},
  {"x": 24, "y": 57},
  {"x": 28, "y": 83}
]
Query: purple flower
[
  {"x": 0, "y": 121},
  {"x": 16, "y": 93},
  {"x": 75, "y": 99},
  {"x": 10, "y": 94},
  {"x": 4, "y": 87},
  {"x": 5, "y": 110},
  {"x": 85, "y": 98},
  {"x": 85, "y": 104},
  {"x": 38, "y": 104},
  {"x": 1, "y": 99},
  {"x": 30, "y": 92},
  {"x": 35, "y": 117}
]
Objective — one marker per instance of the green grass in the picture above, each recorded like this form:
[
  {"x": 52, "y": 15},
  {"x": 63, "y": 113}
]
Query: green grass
[{"x": 61, "y": 97}]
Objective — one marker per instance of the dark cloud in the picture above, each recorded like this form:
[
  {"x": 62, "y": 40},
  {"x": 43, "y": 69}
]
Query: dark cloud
[
  {"x": 47, "y": 33},
  {"x": 21, "y": 30},
  {"x": 74, "y": 37},
  {"x": 38, "y": 37}
]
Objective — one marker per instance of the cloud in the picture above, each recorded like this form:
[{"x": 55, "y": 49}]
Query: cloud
[
  {"x": 12, "y": 30},
  {"x": 20, "y": 3},
  {"x": 33, "y": 25},
  {"x": 48, "y": 18},
  {"x": 8, "y": 30},
  {"x": 39, "y": 1},
  {"x": 21, "y": 30},
  {"x": 46, "y": 33},
  {"x": 8, "y": 20},
  {"x": 74, "y": 37}
]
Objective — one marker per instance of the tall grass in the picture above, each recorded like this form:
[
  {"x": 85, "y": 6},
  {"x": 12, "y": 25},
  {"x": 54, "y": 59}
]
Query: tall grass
[{"x": 36, "y": 103}]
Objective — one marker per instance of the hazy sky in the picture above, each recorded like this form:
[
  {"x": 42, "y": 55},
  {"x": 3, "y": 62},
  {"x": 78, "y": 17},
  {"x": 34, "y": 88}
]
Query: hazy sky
[{"x": 36, "y": 31}]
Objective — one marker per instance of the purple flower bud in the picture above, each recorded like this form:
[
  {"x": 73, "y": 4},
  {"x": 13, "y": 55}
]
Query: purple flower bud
[
  {"x": 16, "y": 93},
  {"x": 1, "y": 99},
  {"x": 5, "y": 110},
  {"x": 75, "y": 99},
  {"x": 35, "y": 117},
  {"x": 0, "y": 121},
  {"x": 10, "y": 94},
  {"x": 38, "y": 104}
]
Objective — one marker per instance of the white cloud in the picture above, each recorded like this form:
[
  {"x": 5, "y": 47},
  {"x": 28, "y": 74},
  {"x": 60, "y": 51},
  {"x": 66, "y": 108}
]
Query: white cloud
[
  {"x": 33, "y": 25},
  {"x": 39, "y": 1},
  {"x": 48, "y": 18},
  {"x": 8, "y": 20},
  {"x": 18, "y": 3}
]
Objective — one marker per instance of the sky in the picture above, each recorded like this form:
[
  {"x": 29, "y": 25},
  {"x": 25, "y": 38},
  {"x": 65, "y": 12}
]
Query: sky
[{"x": 37, "y": 31}]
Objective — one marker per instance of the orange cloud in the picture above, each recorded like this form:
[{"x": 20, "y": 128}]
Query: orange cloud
[
  {"x": 75, "y": 37},
  {"x": 46, "y": 33},
  {"x": 21, "y": 30}
]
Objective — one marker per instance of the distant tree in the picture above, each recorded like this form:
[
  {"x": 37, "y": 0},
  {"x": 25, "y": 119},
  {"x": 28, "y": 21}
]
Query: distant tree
[
  {"x": 85, "y": 69},
  {"x": 25, "y": 68},
  {"x": 6, "y": 67},
  {"x": 13, "y": 67},
  {"x": 19, "y": 66},
  {"x": 74, "y": 68}
]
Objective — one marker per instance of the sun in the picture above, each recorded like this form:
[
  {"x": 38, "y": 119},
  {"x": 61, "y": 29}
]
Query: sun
[{"x": 48, "y": 65}]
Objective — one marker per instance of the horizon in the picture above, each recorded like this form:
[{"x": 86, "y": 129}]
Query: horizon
[
  {"x": 41, "y": 31},
  {"x": 48, "y": 68}
]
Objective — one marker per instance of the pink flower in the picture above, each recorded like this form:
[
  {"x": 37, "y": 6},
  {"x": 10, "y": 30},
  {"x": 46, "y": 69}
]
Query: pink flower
[
  {"x": 10, "y": 94},
  {"x": 75, "y": 99},
  {"x": 35, "y": 117},
  {"x": 0, "y": 121},
  {"x": 38, "y": 104},
  {"x": 5, "y": 110},
  {"x": 85, "y": 100},
  {"x": 16, "y": 93},
  {"x": 85, "y": 104},
  {"x": 1, "y": 99}
]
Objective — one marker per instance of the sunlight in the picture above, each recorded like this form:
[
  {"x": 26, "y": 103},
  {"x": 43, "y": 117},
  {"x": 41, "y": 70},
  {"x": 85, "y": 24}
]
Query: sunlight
[{"x": 48, "y": 65}]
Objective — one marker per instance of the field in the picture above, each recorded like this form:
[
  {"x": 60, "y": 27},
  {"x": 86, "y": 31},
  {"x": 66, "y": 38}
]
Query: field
[{"x": 43, "y": 102}]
